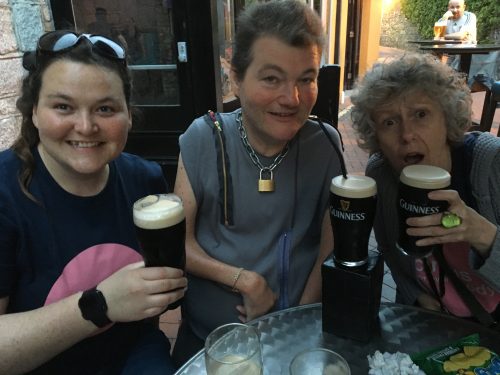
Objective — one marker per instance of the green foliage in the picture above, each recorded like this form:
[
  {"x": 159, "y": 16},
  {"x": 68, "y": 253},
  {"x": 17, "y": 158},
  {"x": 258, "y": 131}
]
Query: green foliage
[
  {"x": 488, "y": 17},
  {"x": 423, "y": 14}
]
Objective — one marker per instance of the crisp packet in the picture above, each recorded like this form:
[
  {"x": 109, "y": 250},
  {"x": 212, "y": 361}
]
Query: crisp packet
[{"x": 462, "y": 357}]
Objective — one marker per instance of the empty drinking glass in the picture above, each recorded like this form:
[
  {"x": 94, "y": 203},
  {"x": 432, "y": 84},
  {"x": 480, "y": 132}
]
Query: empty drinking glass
[
  {"x": 233, "y": 349},
  {"x": 319, "y": 361}
]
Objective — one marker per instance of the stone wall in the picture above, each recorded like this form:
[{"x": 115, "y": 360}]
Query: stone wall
[
  {"x": 396, "y": 30},
  {"x": 21, "y": 23}
]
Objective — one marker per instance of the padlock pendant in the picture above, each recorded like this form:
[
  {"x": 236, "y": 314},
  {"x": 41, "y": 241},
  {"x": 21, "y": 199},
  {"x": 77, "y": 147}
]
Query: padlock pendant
[{"x": 266, "y": 185}]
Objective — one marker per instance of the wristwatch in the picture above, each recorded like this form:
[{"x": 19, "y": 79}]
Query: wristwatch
[{"x": 93, "y": 307}]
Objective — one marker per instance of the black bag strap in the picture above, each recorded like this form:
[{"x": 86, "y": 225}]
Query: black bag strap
[
  {"x": 223, "y": 170},
  {"x": 475, "y": 307},
  {"x": 332, "y": 142}
]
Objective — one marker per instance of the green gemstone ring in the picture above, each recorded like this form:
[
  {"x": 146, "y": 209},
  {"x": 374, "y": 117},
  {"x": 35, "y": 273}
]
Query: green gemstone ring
[{"x": 450, "y": 220}]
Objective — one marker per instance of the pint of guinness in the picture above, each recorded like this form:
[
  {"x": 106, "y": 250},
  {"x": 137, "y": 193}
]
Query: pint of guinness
[
  {"x": 352, "y": 312},
  {"x": 415, "y": 182},
  {"x": 352, "y": 210},
  {"x": 161, "y": 226}
]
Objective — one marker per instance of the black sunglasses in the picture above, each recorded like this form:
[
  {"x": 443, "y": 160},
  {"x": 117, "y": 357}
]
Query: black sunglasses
[{"x": 55, "y": 42}]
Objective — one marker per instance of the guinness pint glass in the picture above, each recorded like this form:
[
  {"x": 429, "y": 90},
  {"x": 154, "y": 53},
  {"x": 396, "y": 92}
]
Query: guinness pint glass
[
  {"x": 352, "y": 210},
  {"x": 161, "y": 226},
  {"x": 415, "y": 182}
]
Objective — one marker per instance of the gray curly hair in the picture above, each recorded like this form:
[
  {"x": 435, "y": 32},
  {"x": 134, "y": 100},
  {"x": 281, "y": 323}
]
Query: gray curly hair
[{"x": 413, "y": 71}]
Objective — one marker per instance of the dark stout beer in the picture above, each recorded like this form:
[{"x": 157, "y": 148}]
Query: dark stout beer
[
  {"x": 415, "y": 182},
  {"x": 352, "y": 210},
  {"x": 161, "y": 227}
]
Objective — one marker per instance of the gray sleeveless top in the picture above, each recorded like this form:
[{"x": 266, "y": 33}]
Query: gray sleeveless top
[{"x": 275, "y": 234}]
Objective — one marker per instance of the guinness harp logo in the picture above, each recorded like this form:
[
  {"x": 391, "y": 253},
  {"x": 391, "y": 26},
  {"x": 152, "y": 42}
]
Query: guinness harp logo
[{"x": 344, "y": 205}]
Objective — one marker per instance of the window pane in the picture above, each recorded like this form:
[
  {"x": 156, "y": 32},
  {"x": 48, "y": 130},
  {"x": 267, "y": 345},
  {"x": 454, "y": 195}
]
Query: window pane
[
  {"x": 145, "y": 28},
  {"x": 155, "y": 87}
]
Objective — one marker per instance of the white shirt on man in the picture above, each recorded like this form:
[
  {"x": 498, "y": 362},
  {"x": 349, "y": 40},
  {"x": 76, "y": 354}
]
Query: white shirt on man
[{"x": 465, "y": 23}]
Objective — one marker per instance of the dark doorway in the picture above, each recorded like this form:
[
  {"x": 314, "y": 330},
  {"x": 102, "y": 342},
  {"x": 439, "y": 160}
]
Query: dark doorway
[{"x": 352, "y": 43}]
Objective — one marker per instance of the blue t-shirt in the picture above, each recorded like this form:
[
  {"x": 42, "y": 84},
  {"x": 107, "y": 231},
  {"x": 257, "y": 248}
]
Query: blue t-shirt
[{"x": 65, "y": 243}]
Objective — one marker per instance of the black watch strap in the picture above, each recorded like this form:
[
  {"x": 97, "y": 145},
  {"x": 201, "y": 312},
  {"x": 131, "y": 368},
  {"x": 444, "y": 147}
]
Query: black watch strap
[{"x": 93, "y": 307}]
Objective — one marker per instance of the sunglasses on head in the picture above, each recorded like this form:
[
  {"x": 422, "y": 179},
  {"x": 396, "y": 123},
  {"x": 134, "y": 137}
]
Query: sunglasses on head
[{"x": 59, "y": 41}]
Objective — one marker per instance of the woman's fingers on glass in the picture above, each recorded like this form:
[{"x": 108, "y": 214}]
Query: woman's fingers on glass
[{"x": 424, "y": 221}]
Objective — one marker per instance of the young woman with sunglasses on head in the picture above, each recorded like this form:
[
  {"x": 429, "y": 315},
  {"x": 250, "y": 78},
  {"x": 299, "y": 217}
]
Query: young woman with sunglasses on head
[{"x": 75, "y": 296}]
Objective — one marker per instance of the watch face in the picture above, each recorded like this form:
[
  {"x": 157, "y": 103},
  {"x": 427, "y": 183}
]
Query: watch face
[{"x": 93, "y": 307}]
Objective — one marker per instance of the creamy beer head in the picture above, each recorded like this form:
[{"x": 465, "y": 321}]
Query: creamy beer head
[
  {"x": 158, "y": 211},
  {"x": 353, "y": 186},
  {"x": 425, "y": 177}
]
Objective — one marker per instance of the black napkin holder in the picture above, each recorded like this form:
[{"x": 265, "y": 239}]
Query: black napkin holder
[{"x": 351, "y": 298}]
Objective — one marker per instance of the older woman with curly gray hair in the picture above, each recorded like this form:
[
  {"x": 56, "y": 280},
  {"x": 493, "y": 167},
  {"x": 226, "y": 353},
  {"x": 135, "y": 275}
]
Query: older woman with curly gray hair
[{"x": 415, "y": 110}]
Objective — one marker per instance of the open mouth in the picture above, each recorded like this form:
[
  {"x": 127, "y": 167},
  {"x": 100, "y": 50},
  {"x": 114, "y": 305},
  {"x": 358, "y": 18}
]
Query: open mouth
[{"x": 413, "y": 158}]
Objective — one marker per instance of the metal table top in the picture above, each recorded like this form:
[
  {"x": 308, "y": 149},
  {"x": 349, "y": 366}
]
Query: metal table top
[{"x": 402, "y": 328}]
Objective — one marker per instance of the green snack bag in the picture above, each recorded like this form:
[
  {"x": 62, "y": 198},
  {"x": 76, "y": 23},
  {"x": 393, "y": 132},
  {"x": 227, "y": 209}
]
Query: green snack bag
[{"x": 462, "y": 357}]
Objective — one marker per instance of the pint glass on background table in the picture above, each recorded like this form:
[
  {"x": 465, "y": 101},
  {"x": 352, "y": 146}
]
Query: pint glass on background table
[
  {"x": 415, "y": 182},
  {"x": 439, "y": 30},
  {"x": 352, "y": 210},
  {"x": 161, "y": 226}
]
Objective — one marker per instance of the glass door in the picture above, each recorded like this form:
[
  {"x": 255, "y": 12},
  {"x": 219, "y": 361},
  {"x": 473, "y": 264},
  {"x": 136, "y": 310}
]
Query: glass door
[{"x": 146, "y": 29}]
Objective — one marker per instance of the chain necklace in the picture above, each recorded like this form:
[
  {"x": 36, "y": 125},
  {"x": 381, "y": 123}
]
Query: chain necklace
[{"x": 265, "y": 184}]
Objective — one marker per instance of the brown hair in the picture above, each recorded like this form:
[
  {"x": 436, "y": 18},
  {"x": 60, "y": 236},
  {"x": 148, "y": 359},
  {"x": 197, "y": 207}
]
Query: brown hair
[
  {"x": 291, "y": 21},
  {"x": 36, "y": 64}
]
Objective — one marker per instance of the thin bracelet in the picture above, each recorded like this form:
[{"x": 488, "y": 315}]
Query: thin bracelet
[{"x": 235, "y": 280}]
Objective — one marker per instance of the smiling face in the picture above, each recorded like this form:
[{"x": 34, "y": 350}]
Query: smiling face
[
  {"x": 411, "y": 129},
  {"x": 457, "y": 7},
  {"x": 82, "y": 119},
  {"x": 277, "y": 92}
]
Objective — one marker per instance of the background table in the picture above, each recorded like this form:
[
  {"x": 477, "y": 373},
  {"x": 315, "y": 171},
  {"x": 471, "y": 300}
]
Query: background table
[
  {"x": 464, "y": 50},
  {"x": 429, "y": 42},
  {"x": 402, "y": 328}
]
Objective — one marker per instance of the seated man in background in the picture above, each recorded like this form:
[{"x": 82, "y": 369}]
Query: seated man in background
[{"x": 460, "y": 24}]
